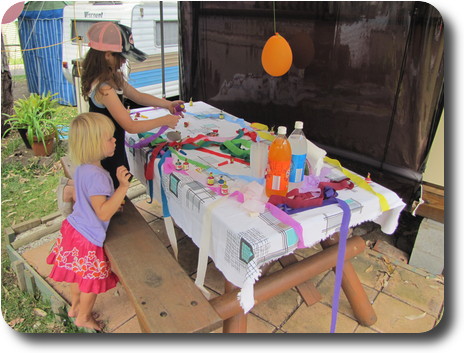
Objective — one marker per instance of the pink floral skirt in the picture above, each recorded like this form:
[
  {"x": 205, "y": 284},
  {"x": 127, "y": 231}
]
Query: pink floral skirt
[{"x": 77, "y": 260}]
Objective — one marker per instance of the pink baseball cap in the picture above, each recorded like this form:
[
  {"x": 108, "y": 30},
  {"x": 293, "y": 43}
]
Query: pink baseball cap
[{"x": 109, "y": 36}]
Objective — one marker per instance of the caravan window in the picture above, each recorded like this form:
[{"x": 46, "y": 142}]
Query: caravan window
[
  {"x": 170, "y": 33},
  {"x": 80, "y": 28}
]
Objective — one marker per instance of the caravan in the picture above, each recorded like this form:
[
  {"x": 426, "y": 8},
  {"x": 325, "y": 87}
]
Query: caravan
[{"x": 146, "y": 23}]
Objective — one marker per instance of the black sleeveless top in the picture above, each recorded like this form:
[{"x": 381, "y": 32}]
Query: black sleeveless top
[{"x": 119, "y": 158}]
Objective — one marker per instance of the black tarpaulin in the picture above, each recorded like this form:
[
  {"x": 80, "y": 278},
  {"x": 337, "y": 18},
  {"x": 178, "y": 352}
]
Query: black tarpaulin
[{"x": 367, "y": 78}]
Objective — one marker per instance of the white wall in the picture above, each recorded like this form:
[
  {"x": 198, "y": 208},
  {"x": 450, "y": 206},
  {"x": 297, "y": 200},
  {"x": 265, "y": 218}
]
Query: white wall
[{"x": 435, "y": 169}]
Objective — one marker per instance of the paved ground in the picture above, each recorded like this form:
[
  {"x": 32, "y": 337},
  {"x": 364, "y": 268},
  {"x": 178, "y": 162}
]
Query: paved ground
[{"x": 405, "y": 299}]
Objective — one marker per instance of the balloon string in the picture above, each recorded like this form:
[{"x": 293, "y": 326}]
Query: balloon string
[{"x": 273, "y": 5}]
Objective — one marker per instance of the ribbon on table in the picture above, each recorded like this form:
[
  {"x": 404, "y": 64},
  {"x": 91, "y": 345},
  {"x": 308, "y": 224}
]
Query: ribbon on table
[
  {"x": 205, "y": 243},
  {"x": 344, "y": 227},
  {"x": 295, "y": 201},
  {"x": 191, "y": 161},
  {"x": 360, "y": 182},
  {"x": 241, "y": 122},
  {"x": 166, "y": 214},
  {"x": 145, "y": 142},
  {"x": 169, "y": 167},
  {"x": 235, "y": 148},
  {"x": 235, "y": 176},
  {"x": 148, "y": 109},
  {"x": 286, "y": 219},
  {"x": 262, "y": 131},
  {"x": 246, "y": 294},
  {"x": 218, "y": 154},
  {"x": 150, "y": 168},
  {"x": 327, "y": 197}
]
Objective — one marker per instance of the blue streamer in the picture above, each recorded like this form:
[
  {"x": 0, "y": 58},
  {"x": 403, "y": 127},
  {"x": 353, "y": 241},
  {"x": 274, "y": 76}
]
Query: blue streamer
[
  {"x": 241, "y": 122},
  {"x": 164, "y": 200},
  {"x": 235, "y": 176}
]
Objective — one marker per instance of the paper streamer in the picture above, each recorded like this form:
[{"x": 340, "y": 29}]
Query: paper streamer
[{"x": 360, "y": 182}]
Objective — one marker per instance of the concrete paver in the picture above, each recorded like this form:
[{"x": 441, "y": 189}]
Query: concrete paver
[
  {"x": 416, "y": 290},
  {"x": 317, "y": 319},
  {"x": 394, "y": 315},
  {"x": 277, "y": 309},
  {"x": 405, "y": 300},
  {"x": 327, "y": 287}
]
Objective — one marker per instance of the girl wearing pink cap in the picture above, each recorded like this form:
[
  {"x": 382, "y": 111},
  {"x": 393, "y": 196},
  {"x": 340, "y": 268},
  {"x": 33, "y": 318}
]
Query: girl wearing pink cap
[{"x": 104, "y": 85}]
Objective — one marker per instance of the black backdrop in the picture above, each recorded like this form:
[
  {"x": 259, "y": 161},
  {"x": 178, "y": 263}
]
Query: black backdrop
[{"x": 367, "y": 78}]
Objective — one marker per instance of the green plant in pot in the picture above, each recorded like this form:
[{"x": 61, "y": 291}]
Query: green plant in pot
[{"x": 38, "y": 116}]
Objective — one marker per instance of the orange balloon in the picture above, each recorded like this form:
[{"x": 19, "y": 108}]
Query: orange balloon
[{"x": 277, "y": 56}]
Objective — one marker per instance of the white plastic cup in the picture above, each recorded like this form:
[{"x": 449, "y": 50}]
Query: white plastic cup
[{"x": 258, "y": 159}]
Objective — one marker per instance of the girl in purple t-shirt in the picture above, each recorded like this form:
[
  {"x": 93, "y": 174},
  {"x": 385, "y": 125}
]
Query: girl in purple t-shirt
[{"x": 78, "y": 256}]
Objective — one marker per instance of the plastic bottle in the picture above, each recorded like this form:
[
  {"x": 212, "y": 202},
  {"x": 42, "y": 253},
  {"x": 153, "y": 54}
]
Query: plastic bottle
[
  {"x": 299, "y": 146},
  {"x": 279, "y": 160}
]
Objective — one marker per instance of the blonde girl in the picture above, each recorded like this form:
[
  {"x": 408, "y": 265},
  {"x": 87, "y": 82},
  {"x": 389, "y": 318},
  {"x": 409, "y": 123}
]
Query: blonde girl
[{"x": 78, "y": 256}]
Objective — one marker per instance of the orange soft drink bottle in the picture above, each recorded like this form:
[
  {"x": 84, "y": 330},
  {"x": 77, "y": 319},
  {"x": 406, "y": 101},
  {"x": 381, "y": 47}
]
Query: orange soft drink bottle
[{"x": 278, "y": 168}]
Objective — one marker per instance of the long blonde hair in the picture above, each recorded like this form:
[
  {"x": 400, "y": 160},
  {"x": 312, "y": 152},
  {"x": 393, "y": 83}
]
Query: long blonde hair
[{"x": 87, "y": 134}]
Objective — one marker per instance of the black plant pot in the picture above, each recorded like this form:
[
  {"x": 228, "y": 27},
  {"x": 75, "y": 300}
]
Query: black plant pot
[{"x": 23, "y": 133}]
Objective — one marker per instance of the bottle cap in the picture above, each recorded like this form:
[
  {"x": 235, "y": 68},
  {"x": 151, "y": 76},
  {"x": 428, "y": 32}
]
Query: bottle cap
[
  {"x": 298, "y": 125},
  {"x": 282, "y": 130}
]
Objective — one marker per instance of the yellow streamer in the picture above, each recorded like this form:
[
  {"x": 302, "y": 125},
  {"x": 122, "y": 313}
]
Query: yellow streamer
[
  {"x": 359, "y": 182},
  {"x": 262, "y": 131}
]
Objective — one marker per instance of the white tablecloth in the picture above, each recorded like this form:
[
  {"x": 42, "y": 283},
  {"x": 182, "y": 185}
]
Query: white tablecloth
[{"x": 240, "y": 241}]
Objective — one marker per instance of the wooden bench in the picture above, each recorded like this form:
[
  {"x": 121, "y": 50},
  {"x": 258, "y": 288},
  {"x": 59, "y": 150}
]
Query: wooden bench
[
  {"x": 164, "y": 297},
  {"x": 434, "y": 203}
]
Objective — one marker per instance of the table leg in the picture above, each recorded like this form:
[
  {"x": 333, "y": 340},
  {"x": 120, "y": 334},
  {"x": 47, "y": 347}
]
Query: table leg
[
  {"x": 307, "y": 289},
  {"x": 227, "y": 305},
  {"x": 238, "y": 322},
  {"x": 353, "y": 289}
]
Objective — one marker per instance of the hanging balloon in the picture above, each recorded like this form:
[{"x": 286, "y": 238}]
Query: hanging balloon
[
  {"x": 302, "y": 48},
  {"x": 276, "y": 57}
]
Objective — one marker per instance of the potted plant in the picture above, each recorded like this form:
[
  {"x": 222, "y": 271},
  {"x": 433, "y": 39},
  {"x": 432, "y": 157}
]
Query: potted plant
[{"x": 37, "y": 116}]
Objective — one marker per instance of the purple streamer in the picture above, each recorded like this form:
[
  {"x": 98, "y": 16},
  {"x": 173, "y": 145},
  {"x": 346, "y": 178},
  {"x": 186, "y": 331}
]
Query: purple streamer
[
  {"x": 145, "y": 110},
  {"x": 344, "y": 227},
  {"x": 286, "y": 219},
  {"x": 146, "y": 142}
]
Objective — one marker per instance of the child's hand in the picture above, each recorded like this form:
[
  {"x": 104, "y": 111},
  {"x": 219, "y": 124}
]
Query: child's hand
[
  {"x": 171, "y": 120},
  {"x": 172, "y": 108},
  {"x": 123, "y": 176}
]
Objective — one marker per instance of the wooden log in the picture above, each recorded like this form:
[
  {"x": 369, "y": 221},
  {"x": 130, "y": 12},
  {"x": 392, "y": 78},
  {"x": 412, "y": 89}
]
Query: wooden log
[
  {"x": 278, "y": 282},
  {"x": 307, "y": 289}
]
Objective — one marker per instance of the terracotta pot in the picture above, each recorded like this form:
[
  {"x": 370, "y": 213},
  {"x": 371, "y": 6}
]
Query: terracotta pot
[{"x": 39, "y": 149}]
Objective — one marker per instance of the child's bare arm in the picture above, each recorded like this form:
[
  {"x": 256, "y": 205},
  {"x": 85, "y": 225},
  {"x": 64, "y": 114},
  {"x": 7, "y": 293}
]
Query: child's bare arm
[{"x": 105, "y": 207}]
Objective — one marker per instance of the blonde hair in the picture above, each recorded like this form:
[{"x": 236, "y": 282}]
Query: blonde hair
[{"x": 87, "y": 134}]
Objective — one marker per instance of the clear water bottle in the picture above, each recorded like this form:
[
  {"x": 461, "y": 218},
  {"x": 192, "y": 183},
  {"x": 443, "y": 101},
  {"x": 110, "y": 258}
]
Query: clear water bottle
[
  {"x": 279, "y": 160},
  {"x": 299, "y": 146}
]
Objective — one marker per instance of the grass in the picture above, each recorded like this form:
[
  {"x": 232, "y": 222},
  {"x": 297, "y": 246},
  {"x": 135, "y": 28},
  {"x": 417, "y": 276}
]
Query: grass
[
  {"x": 28, "y": 185},
  {"x": 20, "y": 78},
  {"x": 28, "y": 313},
  {"x": 28, "y": 191}
]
